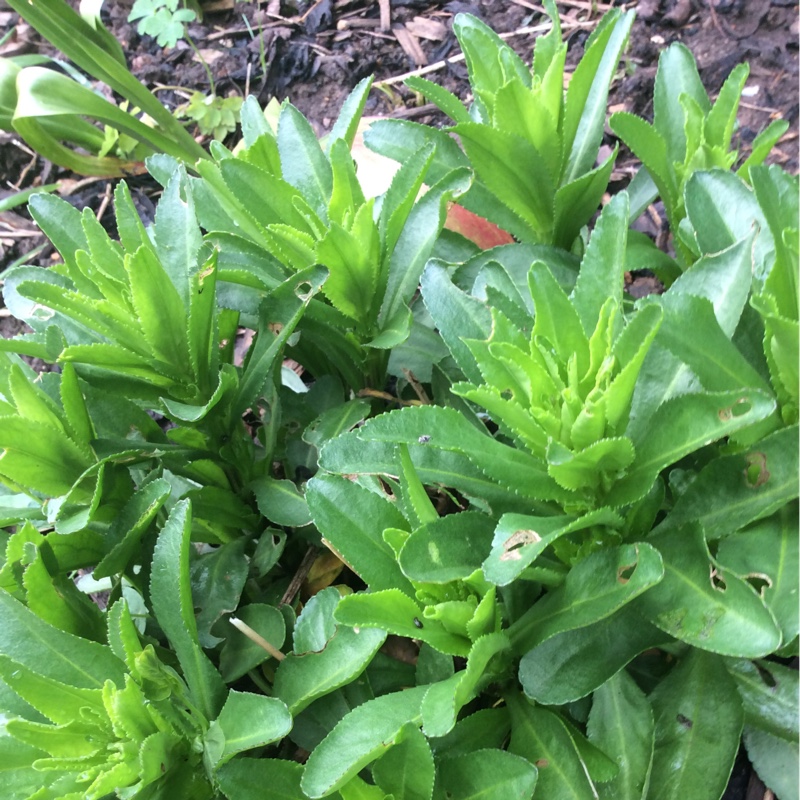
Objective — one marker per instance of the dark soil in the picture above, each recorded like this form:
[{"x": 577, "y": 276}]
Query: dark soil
[{"x": 314, "y": 54}]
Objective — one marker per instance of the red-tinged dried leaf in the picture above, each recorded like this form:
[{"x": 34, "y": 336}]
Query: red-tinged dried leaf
[{"x": 485, "y": 234}]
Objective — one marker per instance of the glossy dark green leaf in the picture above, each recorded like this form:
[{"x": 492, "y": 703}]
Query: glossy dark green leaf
[
  {"x": 701, "y": 603},
  {"x": 770, "y": 696},
  {"x": 595, "y": 588},
  {"x": 541, "y": 737},
  {"x": 172, "y": 603},
  {"x": 621, "y": 724},
  {"x": 392, "y": 611},
  {"x": 353, "y": 519},
  {"x": 698, "y": 722},
  {"x": 450, "y": 548},
  {"x": 488, "y": 775},
  {"x": 358, "y": 739},
  {"x": 572, "y": 664},
  {"x": 299, "y": 680},
  {"x": 407, "y": 771}
]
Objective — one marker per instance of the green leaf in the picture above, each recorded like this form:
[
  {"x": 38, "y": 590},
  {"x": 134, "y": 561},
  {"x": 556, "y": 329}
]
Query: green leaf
[
  {"x": 457, "y": 315},
  {"x": 353, "y": 519},
  {"x": 775, "y": 760},
  {"x": 570, "y": 665},
  {"x": 723, "y": 211},
  {"x": 281, "y": 502},
  {"x": 698, "y": 722},
  {"x": 735, "y": 490},
  {"x": 299, "y": 680},
  {"x": 603, "y": 266},
  {"x": 679, "y": 427},
  {"x": 544, "y": 740},
  {"x": 677, "y": 75},
  {"x": 770, "y": 696},
  {"x": 251, "y": 720},
  {"x": 445, "y": 699},
  {"x": 407, "y": 771},
  {"x": 595, "y": 588},
  {"x": 172, "y": 603},
  {"x": 587, "y": 95},
  {"x": 245, "y": 778},
  {"x": 488, "y": 727},
  {"x": 358, "y": 739},
  {"x": 217, "y": 580},
  {"x": 621, "y": 724},
  {"x": 59, "y": 702},
  {"x": 52, "y": 653},
  {"x": 496, "y": 157},
  {"x": 447, "y": 429},
  {"x": 39, "y": 456},
  {"x": 124, "y": 536},
  {"x": 443, "y": 99},
  {"x": 303, "y": 163},
  {"x": 415, "y": 242},
  {"x": 701, "y": 603},
  {"x": 519, "y": 540},
  {"x": 768, "y": 551},
  {"x": 486, "y": 775},
  {"x": 392, "y": 611},
  {"x": 350, "y": 113},
  {"x": 448, "y": 549}
]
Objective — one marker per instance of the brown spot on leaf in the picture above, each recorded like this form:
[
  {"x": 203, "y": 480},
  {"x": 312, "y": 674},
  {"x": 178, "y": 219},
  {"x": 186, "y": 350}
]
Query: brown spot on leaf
[
  {"x": 625, "y": 572},
  {"x": 717, "y": 581},
  {"x": 515, "y": 541},
  {"x": 542, "y": 763},
  {"x": 738, "y": 409},
  {"x": 756, "y": 473},
  {"x": 685, "y": 721}
]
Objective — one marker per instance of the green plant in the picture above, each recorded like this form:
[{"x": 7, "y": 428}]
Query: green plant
[
  {"x": 581, "y": 522},
  {"x": 161, "y": 19},
  {"x": 50, "y": 111},
  {"x": 688, "y": 134},
  {"x": 215, "y": 116},
  {"x": 532, "y": 145}
]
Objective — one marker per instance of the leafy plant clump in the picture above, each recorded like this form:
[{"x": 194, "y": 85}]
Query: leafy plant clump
[{"x": 378, "y": 514}]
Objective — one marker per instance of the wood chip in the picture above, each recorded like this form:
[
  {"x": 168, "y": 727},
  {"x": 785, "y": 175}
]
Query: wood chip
[
  {"x": 410, "y": 45},
  {"x": 426, "y": 28}
]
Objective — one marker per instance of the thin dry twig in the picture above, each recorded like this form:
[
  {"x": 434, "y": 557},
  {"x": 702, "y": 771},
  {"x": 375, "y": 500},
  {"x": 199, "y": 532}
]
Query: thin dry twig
[
  {"x": 435, "y": 67},
  {"x": 256, "y": 637},
  {"x": 299, "y": 576}
]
